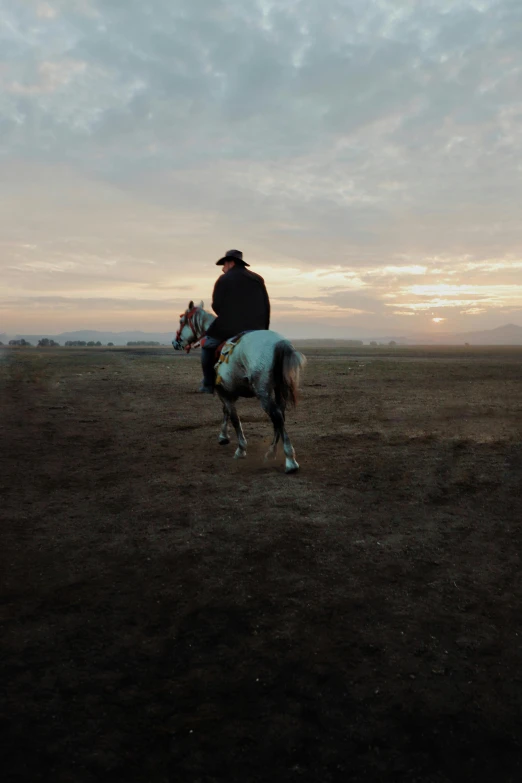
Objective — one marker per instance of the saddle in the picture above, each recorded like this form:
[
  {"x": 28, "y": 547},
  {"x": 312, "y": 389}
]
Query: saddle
[
  {"x": 223, "y": 352},
  {"x": 232, "y": 342}
]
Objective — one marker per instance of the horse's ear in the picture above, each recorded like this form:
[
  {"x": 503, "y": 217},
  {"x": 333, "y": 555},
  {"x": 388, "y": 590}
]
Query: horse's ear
[
  {"x": 191, "y": 305},
  {"x": 202, "y": 304}
]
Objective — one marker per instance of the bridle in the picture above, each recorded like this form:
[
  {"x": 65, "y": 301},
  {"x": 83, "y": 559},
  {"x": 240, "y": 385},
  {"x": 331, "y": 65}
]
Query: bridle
[{"x": 188, "y": 318}]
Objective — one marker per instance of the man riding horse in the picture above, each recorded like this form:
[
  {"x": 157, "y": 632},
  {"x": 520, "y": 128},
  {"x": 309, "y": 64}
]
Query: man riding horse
[
  {"x": 259, "y": 363},
  {"x": 240, "y": 301}
]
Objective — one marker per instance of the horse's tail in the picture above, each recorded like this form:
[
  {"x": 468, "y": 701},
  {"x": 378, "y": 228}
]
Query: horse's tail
[{"x": 286, "y": 368}]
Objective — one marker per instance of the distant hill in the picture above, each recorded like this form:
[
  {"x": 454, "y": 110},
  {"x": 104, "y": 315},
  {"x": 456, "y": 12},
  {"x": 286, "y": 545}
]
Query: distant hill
[
  {"x": 510, "y": 334},
  {"x": 118, "y": 338},
  {"x": 324, "y": 342}
]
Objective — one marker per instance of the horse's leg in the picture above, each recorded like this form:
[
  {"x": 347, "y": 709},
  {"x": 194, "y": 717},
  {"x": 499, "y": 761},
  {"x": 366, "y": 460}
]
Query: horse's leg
[
  {"x": 291, "y": 464},
  {"x": 272, "y": 451},
  {"x": 270, "y": 407},
  {"x": 277, "y": 414},
  {"x": 236, "y": 423},
  {"x": 223, "y": 438}
]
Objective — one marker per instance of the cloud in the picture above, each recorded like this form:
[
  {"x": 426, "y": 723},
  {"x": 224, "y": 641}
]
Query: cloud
[{"x": 379, "y": 137}]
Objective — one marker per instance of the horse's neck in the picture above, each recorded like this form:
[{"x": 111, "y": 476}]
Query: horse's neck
[{"x": 206, "y": 320}]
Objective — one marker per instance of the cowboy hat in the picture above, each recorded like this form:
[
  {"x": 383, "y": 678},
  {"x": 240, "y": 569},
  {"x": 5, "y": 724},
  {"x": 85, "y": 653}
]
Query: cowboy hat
[{"x": 232, "y": 255}]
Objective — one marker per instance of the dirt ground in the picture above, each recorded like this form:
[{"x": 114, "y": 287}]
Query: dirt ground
[{"x": 170, "y": 614}]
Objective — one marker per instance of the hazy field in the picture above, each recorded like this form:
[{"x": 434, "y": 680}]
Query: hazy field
[{"x": 170, "y": 614}]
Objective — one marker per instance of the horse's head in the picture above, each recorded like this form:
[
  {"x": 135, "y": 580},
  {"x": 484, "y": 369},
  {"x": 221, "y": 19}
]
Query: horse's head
[{"x": 189, "y": 327}]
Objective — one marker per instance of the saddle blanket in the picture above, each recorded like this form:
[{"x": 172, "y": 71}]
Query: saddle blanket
[{"x": 225, "y": 352}]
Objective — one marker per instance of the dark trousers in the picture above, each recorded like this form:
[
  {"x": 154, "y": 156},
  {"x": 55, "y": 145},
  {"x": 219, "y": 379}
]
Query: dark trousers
[{"x": 208, "y": 360}]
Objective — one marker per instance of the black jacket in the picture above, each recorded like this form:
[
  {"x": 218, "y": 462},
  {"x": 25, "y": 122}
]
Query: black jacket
[{"x": 241, "y": 303}]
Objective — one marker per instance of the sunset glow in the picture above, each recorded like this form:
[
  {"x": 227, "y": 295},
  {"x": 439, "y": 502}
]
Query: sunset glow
[{"x": 342, "y": 150}]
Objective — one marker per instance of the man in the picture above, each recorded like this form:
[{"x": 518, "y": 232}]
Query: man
[{"x": 241, "y": 303}]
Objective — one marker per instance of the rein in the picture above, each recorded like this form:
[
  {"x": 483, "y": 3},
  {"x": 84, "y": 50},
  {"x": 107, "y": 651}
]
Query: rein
[{"x": 189, "y": 320}]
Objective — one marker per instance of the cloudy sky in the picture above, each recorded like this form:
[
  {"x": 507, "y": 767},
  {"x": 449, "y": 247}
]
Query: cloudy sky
[{"x": 366, "y": 156}]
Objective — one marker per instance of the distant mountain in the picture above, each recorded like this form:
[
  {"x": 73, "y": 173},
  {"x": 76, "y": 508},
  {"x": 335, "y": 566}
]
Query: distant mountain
[
  {"x": 118, "y": 338},
  {"x": 510, "y": 334},
  {"x": 403, "y": 340}
]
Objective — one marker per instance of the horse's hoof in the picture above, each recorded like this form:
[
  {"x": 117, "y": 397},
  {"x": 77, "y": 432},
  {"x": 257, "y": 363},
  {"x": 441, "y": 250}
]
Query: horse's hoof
[
  {"x": 291, "y": 466},
  {"x": 240, "y": 454},
  {"x": 270, "y": 455},
  {"x": 223, "y": 441}
]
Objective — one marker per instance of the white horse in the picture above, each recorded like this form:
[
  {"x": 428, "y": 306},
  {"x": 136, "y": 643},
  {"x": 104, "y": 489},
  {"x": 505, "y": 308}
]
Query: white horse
[{"x": 262, "y": 364}]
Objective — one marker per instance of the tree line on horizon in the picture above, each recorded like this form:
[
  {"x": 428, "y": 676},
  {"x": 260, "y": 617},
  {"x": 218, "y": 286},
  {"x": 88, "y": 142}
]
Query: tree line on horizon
[
  {"x": 82, "y": 343},
  {"x": 48, "y": 342}
]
